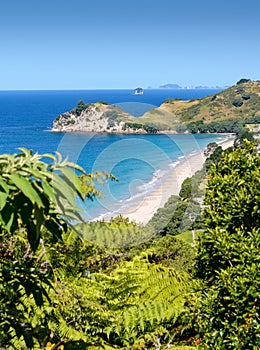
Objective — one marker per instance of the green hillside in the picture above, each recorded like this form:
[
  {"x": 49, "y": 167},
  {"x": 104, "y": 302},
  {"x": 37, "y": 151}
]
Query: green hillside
[{"x": 224, "y": 111}]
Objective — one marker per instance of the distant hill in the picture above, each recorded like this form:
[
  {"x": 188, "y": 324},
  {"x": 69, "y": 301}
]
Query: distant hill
[
  {"x": 170, "y": 86},
  {"x": 226, "y": 111}
]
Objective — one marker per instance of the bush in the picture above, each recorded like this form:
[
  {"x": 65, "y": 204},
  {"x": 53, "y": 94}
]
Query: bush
[
  {"x": 172, "y": 100},
  {"x": 228, "y": 258},
  {"x": 238, "y": 102},
  {"x": 246, "y": 96},
  {"x": 81, "y": 106},
  {"x": 243, "y": 80}
]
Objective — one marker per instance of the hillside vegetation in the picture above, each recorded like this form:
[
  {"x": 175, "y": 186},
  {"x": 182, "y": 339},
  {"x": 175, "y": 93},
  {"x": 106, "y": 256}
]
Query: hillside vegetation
[
  {"x": 227, "y": 111},
  {"x": 120, "y": 286}
]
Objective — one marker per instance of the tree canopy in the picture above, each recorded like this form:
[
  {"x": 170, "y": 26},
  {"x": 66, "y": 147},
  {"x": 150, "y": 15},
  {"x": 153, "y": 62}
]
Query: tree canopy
[{"x": 228, "y": 252}]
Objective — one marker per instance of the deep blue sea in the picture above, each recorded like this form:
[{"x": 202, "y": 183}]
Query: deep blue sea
[{"x": 138, "y": 161}]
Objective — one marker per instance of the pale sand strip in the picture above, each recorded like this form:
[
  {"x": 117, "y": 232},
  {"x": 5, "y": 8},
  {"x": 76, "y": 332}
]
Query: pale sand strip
[{"x": 142, "y": 211}]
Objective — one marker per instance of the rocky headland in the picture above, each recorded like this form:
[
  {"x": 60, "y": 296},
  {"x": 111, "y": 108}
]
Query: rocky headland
[{"x": 225, "y": 112}]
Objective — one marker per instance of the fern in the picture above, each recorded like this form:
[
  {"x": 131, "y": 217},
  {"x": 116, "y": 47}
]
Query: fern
[{"x": 114, "y": 236}]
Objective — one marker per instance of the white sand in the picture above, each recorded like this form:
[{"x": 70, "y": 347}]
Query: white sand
[{"x": 142, "y": 211}]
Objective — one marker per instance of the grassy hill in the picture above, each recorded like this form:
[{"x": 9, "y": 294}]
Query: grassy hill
[{"x": 239, "y": 104}]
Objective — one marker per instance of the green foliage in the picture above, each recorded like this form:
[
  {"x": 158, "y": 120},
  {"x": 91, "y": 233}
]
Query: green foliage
[
  {"x": 211, "y": 147},
  {"x": 103, "y": 102},
  {"x": 243, "y": 80},
  {"x": 36, "y": 195},
  {"x": 245, "y": 134},
  {"x": 254, "y": 119},
  {"x": 184, "y": 212},
  {"x": 187, "y": 236},
  {"x": 132, "y": 289},
  {"x": 195, "y": 127},
  {"x": 81, "y": 106},
  {"x": 134, "y": 126},
  {"x": 224, "y": 126},
  {"x": 26, "y": 307},
  {"x": 172, "y": 252},
  {"x": 186, "y": 188},
  {"x": 246, "y": 96},
  {"x": 171, "y": 100},
  {"x": 163, "y": 215},
  {"x": 213, "y": 153},
  {"x": 57, "y": 290},
  {"x": 149, "y": 128},
  {"x": 129, "y": 308},
  {"x": 228, "y": 253},
  {"x": 114, "y": 234},
  {"x": 174, "y": 225},
  {"x": 240, "y": 89},
  {"x": 38, "y": 202},
  {"x": 113, "y": 118},
  {"x": 238, "y": 102}
]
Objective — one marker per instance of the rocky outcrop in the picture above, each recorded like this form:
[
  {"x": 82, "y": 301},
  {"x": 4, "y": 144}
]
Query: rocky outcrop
[{"x": 98, "y": 117}]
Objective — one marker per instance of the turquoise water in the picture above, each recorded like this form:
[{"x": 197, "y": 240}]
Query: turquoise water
[{"x": 138, "y": 161}]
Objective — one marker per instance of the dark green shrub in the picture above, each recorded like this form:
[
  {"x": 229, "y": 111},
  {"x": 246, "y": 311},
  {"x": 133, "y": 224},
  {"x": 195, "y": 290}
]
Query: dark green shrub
[
  {"x": 104, "y": 102},
  {"x": 243, "y": 80},
  {"x": 238, "y": 102},
  {"x": 240, "y": 90},
  {"x": 246, "y": 96},
  {"x": 171, "y": 100},
  {"x": 81, "y": 106}
]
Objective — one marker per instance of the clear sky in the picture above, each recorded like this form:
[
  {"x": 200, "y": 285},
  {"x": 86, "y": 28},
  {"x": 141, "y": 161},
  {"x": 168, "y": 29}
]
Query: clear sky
[{"x": 95, "y": 44}]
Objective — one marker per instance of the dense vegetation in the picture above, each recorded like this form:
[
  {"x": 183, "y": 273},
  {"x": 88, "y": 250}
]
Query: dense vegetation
[
  {"x": 228, "y": 260},
  {"x": 66, "y": 284}
]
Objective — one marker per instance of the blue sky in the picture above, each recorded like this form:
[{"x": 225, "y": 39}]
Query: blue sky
[{"x": 95, "y": 44}]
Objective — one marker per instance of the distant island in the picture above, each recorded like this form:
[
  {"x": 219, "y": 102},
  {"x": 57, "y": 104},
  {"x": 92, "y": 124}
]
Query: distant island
[
  {"x": 170, "y": 86},
  {"x": 199, "y": 87},
  {"x": 227, "y": 111},
  {"x": 138, "y": 91}
]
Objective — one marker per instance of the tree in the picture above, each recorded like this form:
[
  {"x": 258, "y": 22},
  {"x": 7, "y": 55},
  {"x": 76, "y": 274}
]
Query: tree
[
  {"x": 213, "y": 154},
  {"x": 243, "y": 80},
  {"x": 228, "y": 253},
  {"x": 238, "y": 102},
  {"x": 244, "y": 134},
  {"x": 81, "y": 106},
  {"x": 38, "y": 202},
  {"x": 186, "y": 189},
  {"x": 210, "y": 149}
]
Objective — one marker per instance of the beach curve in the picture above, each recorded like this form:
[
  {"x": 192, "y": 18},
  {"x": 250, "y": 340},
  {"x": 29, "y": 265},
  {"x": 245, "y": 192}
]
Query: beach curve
[{"x": 142, "y": 211}]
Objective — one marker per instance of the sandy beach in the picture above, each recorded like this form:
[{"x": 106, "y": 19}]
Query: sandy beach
[{"x": 142, "y": 211}]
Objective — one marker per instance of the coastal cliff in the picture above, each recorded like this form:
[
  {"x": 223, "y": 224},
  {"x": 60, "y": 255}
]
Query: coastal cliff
[
  {"x": 97, "y": 117},
  {"x": 227, "y": 111}
]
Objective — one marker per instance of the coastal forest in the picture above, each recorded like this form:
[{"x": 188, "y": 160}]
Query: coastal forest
[{"x": 189, "y": 279}]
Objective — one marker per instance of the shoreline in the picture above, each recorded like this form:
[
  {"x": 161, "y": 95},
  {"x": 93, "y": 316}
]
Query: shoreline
[{"x": 142, "y": 211}]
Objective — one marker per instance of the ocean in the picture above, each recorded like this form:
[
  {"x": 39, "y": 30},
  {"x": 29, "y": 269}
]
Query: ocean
[{"x": 138, "y": 161}]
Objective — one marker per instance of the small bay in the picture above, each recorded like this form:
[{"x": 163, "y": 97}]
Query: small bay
[{"x": 138, "y": 161}]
